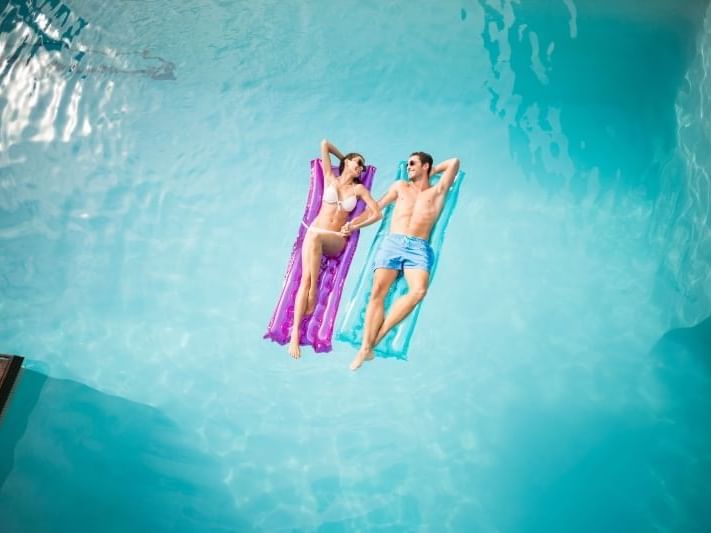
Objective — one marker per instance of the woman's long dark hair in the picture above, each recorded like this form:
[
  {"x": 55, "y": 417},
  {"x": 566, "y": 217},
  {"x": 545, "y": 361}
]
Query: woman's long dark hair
[{"x": 343, "y": 163}]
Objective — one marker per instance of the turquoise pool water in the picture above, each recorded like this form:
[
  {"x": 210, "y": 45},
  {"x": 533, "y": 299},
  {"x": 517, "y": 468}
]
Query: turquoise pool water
[{"x": 153, "y": 172}]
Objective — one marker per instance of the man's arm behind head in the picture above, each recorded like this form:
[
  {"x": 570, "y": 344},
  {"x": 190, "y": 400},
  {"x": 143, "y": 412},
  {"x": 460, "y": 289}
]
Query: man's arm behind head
[{"x": 449, "y": 169}]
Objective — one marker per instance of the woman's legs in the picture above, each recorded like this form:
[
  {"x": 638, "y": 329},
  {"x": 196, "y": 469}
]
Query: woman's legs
[
  {"x": 327, "y": 244},
  {"x": 315, "y": 244},
  {"x": 300, "y": 303},
  {"x": 314, "y": 264}
]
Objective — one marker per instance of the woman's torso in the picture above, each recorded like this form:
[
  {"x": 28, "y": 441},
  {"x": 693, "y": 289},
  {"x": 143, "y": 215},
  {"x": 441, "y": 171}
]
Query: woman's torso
[{"x": 337, "y": 205}]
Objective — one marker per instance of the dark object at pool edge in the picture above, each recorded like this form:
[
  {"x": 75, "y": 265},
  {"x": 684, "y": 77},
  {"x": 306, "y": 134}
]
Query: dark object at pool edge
[{"x": 9, "y": 369}]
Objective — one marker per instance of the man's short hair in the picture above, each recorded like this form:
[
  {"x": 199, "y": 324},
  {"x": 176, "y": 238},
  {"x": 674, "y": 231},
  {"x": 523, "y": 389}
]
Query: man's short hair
[{"x": 424, "y": 157}]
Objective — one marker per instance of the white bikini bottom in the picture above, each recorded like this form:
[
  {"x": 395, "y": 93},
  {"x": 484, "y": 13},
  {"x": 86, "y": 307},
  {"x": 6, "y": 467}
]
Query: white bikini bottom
[{"x": 320, "y": 230}]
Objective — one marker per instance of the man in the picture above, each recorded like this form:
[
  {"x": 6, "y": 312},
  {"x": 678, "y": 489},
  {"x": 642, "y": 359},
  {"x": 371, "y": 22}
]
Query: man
[{"x": 406, "y": 248}]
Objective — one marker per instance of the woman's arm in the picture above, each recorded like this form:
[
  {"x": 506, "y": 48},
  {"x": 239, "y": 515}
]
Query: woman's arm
[
  {"x": 373, "y": 212},
  {"x": 326, "y": 150}
]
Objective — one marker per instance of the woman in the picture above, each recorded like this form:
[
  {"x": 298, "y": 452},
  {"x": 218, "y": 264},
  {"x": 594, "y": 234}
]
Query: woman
[{"x": 328, "y": 232}]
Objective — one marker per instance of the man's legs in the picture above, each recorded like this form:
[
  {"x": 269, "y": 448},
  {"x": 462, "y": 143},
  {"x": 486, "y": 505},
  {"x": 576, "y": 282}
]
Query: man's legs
[
  {"x": 417, "y": 281},
  {"x": 382, "y": 280}
]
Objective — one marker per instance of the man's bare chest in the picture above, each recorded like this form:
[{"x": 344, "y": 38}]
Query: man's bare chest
[{"x": 413, "y": 201}]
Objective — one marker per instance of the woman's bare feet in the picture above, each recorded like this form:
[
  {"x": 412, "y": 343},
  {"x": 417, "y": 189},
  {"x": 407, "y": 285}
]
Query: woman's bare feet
[
  {"x": 362, "y": 356},
  {"x": 294, "y": 348}
]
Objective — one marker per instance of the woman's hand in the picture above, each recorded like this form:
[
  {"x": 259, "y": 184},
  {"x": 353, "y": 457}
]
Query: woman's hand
[{"x": 346, "y": 229}]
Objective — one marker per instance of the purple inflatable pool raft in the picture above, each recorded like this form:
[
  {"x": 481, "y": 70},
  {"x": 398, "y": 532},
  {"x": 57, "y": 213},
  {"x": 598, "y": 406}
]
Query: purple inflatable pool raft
[{"x": 317, "y": 328}]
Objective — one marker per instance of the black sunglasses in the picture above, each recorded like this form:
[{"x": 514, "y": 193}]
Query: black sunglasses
[{"x": 411, "y": 163}]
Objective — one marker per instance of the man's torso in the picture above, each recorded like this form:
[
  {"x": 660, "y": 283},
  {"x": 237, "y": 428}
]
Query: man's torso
[{"x": 416, "y": 211}]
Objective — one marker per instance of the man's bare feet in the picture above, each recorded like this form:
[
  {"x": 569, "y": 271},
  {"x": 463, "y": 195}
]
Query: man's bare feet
[
  {"x": 294, "y": 349},
  {"x": 362, "y": 356}
]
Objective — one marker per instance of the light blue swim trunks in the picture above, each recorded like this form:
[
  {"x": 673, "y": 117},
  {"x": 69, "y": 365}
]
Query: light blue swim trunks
[{"x": 398, "y": 251}]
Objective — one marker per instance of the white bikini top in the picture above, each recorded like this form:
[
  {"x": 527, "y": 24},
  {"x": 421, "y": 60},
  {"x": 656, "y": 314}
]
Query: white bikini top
[{"x": 330, "y": 196}]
